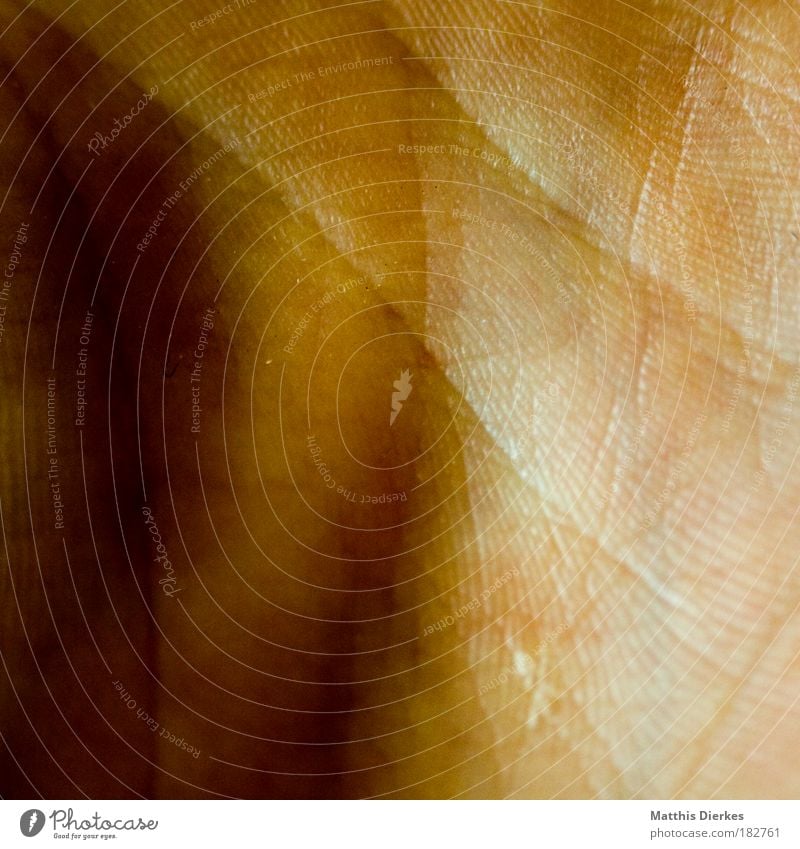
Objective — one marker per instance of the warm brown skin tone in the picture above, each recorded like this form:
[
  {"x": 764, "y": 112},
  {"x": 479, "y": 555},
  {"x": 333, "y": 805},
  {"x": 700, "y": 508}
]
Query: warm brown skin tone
[{"x": 598, "y": 306}]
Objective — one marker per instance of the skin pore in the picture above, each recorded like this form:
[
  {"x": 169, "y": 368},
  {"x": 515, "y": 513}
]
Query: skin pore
[{"x": 567, "y": 567}]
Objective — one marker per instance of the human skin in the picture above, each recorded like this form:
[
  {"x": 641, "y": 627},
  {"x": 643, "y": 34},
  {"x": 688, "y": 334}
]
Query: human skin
[{"x": 575, "y": 227}]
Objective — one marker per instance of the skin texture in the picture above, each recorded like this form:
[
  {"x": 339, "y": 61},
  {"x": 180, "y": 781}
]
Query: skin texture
[{"x": 575, "y": 226}]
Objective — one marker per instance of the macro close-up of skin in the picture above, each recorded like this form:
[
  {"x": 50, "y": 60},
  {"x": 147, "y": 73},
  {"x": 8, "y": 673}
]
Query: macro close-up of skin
[{"x": 400, "y": 399}]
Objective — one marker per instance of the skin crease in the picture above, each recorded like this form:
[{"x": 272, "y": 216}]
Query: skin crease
[{"x": 575, "y": 227}]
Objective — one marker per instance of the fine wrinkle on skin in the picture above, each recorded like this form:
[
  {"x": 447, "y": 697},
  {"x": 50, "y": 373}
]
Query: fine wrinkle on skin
[
  {"x": 655, "y": 669},
  {"x": 686, "y": 114},
  {"x": 720, "y": 115},
  {"x": 770, "y": 32},
  {"x": 546, "y": 193},
  {"x": 638, "y": 218}
]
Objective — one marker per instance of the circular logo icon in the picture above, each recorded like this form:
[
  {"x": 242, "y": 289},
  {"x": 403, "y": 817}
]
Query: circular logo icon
[{"x": 31, "y": 822}]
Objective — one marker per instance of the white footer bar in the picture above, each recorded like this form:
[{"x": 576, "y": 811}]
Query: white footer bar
[{"x": 405, "y": 824}]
